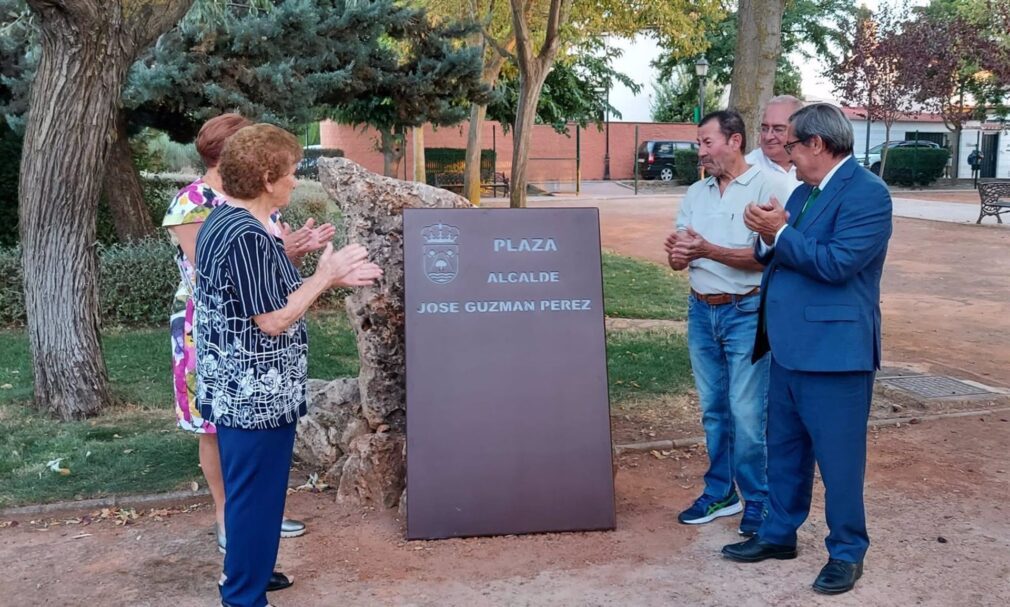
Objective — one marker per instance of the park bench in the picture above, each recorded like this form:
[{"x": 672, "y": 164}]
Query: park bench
[
  {"x": 994, "y": 195},
  {"x": 489, "y": 181}
]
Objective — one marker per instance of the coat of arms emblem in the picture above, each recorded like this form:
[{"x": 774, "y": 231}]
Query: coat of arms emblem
[{"x": 441, "y": 252}]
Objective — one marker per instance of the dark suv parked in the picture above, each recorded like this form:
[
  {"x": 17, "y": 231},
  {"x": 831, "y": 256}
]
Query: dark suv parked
[{"x": 655, "y": 158}]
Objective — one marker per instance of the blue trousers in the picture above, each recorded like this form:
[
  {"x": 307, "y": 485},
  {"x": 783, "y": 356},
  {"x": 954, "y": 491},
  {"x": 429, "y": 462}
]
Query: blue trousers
[
  {"x": 733, "y": 395},
  {"x": 818, "y": 417},
  {"x": 255, "y": 465}
]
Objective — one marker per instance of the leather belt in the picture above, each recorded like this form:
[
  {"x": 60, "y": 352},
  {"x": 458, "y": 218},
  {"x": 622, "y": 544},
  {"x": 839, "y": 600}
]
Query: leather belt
[{"x": 719, "y": 299}]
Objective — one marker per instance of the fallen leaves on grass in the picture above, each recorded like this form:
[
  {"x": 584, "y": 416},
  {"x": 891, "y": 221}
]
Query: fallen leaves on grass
[{"x": 54, "y": 465}]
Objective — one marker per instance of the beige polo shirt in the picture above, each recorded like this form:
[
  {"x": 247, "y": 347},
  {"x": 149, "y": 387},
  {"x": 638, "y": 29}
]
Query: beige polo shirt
[{"x": 718, "y": 217}]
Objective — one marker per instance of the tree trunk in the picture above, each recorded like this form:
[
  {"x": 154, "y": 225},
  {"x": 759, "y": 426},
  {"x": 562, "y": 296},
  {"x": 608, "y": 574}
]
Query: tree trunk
[
  {"x": 419, "y": 172},
  {"x": 124, "y": 190},
  {"x": 530, "y": 85},
  {"x": 533, "y": 69},
  {"x": 471, "y": 167},
  {"x": 87, "y": 48},
  {"x": 758, "y": 45},
  {"x": 955, "y": 157},
  {"x": 392, "y": 151},
  {"x": 883, "y": 150}
]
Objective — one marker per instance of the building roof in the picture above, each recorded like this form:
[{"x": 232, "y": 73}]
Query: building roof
[{"x": 859, "y": 113}]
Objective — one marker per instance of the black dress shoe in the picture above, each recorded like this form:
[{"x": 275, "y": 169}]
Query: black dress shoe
[
  {"x": 837, "y": 577},
  {"x": 754, "y": 550},
  {"x": 279, "y": 581}
]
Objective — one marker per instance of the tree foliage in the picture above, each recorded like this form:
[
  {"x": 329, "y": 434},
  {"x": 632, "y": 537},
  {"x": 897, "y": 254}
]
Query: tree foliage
[
  {"x": 811, "y": 29},
  {"x": 675, "y": 98},
  {"x": 869, "y": 75},
  {"x": 576, "y": 90},
  {"x": 433, "y": 78}
]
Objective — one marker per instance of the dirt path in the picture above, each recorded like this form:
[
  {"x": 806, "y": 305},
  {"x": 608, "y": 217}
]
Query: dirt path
[
  {"x": 936, "y": 495},
  {"x": 929, "y": 481}
]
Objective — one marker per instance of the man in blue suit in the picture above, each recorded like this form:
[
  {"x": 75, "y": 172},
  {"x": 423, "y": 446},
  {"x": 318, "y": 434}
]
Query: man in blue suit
[{"x": 820, "y": 319}]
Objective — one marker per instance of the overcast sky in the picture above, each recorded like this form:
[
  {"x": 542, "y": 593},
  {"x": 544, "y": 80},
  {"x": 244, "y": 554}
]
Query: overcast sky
[{"x": 640, "y": 52}]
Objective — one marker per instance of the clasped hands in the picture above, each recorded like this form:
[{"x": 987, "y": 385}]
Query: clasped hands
[
  {"x": 766, "y": 219},
  {"x": 683, "y": 247}
]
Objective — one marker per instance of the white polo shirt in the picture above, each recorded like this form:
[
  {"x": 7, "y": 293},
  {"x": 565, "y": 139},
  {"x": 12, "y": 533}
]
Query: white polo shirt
[
  {"x": 718, "y": 217},
  {"x": 757, "y": 158}
]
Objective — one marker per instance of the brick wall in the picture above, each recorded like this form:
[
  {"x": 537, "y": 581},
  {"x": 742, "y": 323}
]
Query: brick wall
[{"x": 553, "y": 154}]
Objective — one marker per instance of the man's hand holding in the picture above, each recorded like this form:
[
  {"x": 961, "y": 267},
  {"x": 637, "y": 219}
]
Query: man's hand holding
[
  {"x": 676, "y": 261},
  {"x": 691, "y": 245}
]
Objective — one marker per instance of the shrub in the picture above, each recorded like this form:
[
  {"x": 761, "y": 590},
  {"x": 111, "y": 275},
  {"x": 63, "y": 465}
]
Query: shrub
[
  {"x": 10, "y": 165},
  {"x": 12, "y": 301},
  {"x": 137, "y": 280},
  {"x": 915, "y": 166},
  {"x": 686, "y": 162},
  {"x": 168, "y": 155}
]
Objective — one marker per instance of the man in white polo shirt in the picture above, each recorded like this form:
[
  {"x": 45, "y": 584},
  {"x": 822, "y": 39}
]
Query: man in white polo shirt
[
  {"x": 716, "y": 247},
  {"x": 771, "y": 157}
]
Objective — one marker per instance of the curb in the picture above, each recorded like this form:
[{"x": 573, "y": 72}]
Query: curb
[
  {"x": 113, "y": 501},
  {"x": 681, "y": 443},
  {"x": 118, "y": 501}
]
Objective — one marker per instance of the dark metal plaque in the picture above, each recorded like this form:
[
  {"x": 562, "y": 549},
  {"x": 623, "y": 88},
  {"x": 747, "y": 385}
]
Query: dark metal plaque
[
  {"x": 934, "y": 386},
  {"x": 508, "y": 416}
]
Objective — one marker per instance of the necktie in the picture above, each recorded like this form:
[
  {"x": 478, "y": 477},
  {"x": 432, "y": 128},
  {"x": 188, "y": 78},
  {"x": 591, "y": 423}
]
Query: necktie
[{"x": 814, "y": 193}]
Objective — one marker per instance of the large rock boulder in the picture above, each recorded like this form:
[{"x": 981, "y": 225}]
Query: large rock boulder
[{"x": 358, "y": 435}]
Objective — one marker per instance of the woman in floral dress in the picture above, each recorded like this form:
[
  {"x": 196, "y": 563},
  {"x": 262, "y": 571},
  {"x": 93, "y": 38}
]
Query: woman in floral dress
[{"x": 187, "y": 212}]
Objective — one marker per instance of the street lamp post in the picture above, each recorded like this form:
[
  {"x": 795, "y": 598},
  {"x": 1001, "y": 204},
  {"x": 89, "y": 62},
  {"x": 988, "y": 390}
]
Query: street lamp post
[
  {"x": 701, "y": 69},
  {"x": 606, "y": 150}
]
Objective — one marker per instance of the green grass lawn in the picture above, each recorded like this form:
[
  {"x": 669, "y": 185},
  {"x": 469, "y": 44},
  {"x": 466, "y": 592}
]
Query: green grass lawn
[
  {"x": 640, "y": 289},
  {"x": 134, "y": 446}
]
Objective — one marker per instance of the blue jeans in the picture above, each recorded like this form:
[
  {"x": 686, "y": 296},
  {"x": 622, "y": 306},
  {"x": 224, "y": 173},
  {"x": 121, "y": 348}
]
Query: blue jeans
[{"x": 733, "y": 394}]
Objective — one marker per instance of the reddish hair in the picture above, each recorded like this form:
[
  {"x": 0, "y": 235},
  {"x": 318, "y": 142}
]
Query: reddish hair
[
  {"x": 213, "y": 134},
  {"x": 254, "y": 153}
]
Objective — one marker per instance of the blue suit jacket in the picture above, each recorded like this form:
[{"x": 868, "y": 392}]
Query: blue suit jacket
[{"x": 820, "y": 292}]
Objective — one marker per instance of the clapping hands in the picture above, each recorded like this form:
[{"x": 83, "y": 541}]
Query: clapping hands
[
  {"x": 305, "y": 239},
  {"x": 348, "y": 267},
  {"x": 766, "y": 219},
  {"x": 683, "y": 247}
]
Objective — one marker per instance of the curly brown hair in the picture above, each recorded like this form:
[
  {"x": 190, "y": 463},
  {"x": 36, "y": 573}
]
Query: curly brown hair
[
  {"x": 213, "y": 134},
  {"x": 251, "y": 153}
]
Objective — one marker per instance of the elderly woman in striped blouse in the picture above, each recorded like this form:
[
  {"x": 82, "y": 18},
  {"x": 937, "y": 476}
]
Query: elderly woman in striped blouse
[{"x": 252, "y": 346}]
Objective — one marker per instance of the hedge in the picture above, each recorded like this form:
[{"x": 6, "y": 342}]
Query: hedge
[
  {"x": 137, "y": 280},
  {"x": 686, "y": 162},
  {"x": 915, "y": 166}
]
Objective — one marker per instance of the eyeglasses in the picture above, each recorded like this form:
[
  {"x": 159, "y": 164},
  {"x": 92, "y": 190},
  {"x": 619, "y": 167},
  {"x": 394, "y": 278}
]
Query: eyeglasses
[
  {"x": 778, "y": 129},
  {"x": 789, "y": 145}
]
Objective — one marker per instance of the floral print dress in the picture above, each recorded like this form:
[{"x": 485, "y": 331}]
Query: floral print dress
[{"x": 192, "y": 204}]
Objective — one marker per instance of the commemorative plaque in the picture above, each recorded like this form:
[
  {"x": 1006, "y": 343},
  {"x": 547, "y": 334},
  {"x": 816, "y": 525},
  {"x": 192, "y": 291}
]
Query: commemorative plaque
[{"x": 508, "y": 420}]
